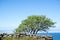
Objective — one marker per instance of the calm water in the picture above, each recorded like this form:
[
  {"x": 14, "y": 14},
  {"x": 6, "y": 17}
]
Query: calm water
[
  {"x": 6, "y": 31},
  {"x": 56, "y": 36}
]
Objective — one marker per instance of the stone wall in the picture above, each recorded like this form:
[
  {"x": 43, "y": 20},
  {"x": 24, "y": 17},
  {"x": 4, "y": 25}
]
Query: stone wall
[{"x": 22, "y": 35}]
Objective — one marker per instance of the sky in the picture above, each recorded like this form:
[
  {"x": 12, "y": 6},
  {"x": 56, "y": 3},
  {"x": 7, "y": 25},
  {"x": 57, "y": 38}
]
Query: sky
[{"x": 12, "y": 12}]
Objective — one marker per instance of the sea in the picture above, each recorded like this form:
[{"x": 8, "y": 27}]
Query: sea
[{"x": 56, "y": 36}]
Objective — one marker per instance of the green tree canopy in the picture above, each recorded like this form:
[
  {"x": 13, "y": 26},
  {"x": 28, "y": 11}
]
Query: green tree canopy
[{"x": 35, "y": 23}]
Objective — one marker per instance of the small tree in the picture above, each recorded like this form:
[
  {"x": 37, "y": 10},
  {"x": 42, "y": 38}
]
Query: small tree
[{"x": 34, "y": 23}]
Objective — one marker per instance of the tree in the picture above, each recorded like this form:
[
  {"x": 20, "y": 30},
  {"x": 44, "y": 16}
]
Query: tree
[{"x": 35, "y": 23}]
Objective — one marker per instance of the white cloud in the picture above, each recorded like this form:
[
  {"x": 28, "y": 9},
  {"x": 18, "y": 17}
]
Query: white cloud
[{"x": 55, "y": 30}]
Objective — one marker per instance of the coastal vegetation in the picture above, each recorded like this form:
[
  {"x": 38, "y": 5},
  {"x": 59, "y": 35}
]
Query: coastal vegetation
[
  {"x": 33, "y": 24},
  {"x": 22, "y": 38}
]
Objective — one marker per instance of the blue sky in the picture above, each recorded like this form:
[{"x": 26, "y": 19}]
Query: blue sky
[{"x": 12, "y": 12}]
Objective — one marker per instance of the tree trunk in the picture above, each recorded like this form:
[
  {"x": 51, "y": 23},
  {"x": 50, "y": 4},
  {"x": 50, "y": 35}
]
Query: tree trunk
[{"x": 34, "y": 32}]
